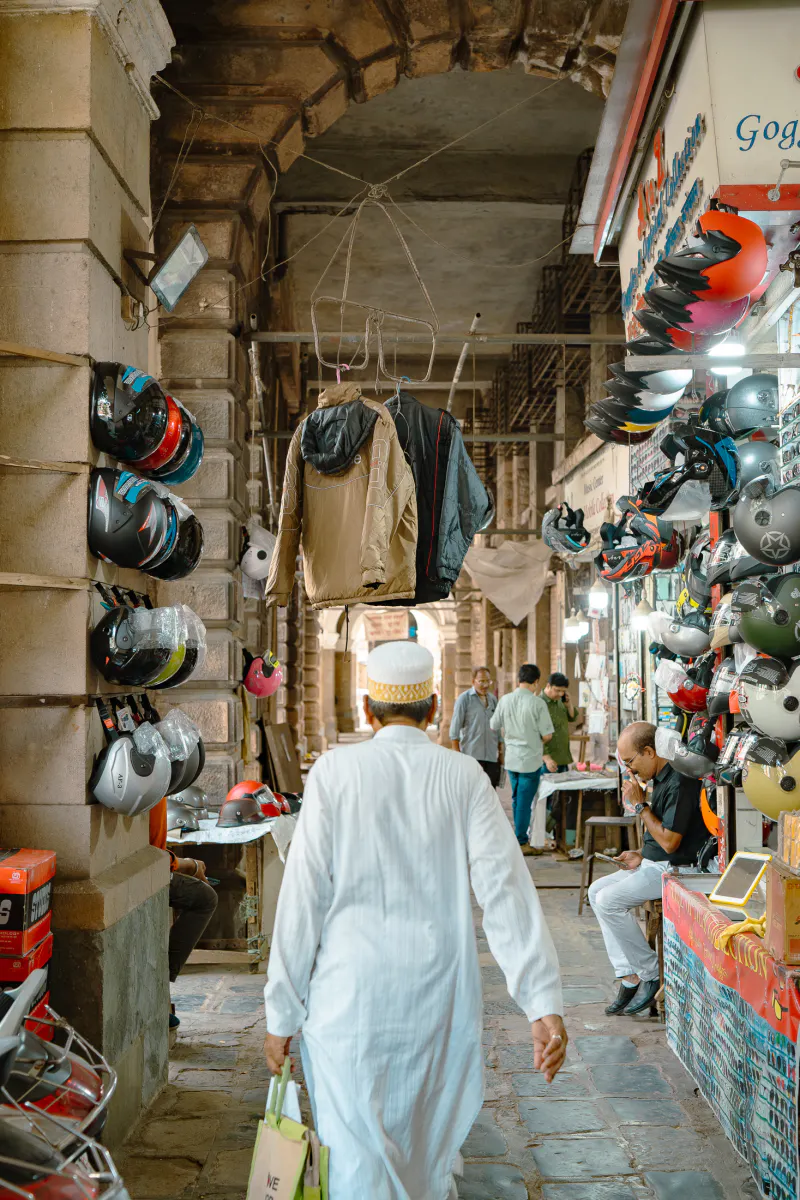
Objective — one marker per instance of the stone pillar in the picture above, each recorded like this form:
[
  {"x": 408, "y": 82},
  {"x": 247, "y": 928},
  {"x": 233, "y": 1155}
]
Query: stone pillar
[
  {"x": 448, "y": 697},
  {"x": 463, "y": 659},
  {"x": 76, "y": 109},
  {"x": 311, "y": 712},
  {"x": 346, "y": 714},
  {"x": 520, "y": 469}
]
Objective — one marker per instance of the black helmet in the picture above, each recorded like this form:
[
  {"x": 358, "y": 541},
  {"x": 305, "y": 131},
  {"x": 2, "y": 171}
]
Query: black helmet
[
  {"x": 120, "y": 652},
  {"x": 697, "y": 756},
  {"x": 128, "y": 520},
  {"x": 129, "y": 411},
  {"x": 563, "y": 530},
  {"x": 752, "y": 406},
  {"x": 185, "y": 554},
  {"x": 767, "y": 521},
  {"x": 696, "y": 591},
  {"x": 181, "y": 451}
]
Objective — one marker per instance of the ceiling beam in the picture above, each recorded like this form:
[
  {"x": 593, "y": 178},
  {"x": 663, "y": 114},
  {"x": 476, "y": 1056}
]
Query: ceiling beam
[{"x": 479, "y": 339}]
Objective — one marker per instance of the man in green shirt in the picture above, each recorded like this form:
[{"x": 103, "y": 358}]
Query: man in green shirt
[{"x": 558, "y": 757}]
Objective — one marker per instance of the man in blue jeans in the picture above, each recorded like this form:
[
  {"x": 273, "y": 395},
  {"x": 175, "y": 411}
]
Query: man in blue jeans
[{"x": 524, "y": 722}]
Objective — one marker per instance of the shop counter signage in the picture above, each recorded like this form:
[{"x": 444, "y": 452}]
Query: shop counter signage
[
  {"x": 732, "y": 1019},
  {"x": 655, "y": 200}
]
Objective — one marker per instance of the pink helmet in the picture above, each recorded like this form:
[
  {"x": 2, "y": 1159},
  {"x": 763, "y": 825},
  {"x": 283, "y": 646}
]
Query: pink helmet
[{"x": 262, "y": 674}]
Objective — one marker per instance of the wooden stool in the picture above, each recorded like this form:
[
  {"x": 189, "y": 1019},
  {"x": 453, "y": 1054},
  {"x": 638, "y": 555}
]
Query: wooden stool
[
  {"x": 654, "y": 932},
  {"x": 587, "y": 868}
]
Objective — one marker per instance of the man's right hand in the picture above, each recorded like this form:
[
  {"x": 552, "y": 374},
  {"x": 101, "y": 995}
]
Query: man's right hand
[
  {"x": 629, "y": 860},
  {"x": 549, "y": 1045},
  {"x": 550, "y": 763},
  {"x": 275, "y": 1050}
]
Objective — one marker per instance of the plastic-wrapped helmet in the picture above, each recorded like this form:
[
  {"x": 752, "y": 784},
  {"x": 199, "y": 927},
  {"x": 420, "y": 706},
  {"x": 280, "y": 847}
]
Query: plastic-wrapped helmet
[
  {"x": 696, "y": 756},
  {"x": 257, "y": 551},
  {"x": 770, "y": 614},
  {"x": 186, "y": 552},
  {"x": 120, "y": 652},
  {"x": 563, "y": 530},
  {"x": 771, "y": 777},
  {"x": 752, "y": 406},
  {"x": 169, "y": 443},
  {"x": 129, "y": 411},
  {"x": 132, "y": 772},
  {"x": 263, "y": 674},
  {"x": 686, "y": 693},
  {"x": 728, "y": 263},
  {"x": 758, "y": 458},
  {"x": 128, "y": 521},
  {"x": 181, "y": 816},
  {"x": 242, "y": 805},
  {"x": 725, "y": 627},
  {"x": 689, "y": 635},
  {"x": 722, "y": 684},
  {"x": 194, "y": 641},
  {"x": 766, "y": 521},
  {"x": 769, "y": 697},
  {"x": 726, "y": 769},
  {"x": 664, "y": 381},
  {"x": 698, "y": 316}
]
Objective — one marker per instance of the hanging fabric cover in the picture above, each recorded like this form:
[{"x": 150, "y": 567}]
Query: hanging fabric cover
[{"x": 512, "y": 576}]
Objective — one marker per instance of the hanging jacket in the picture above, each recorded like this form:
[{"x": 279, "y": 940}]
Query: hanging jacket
[
  {"x": 348, "y": 495},
  {"x": 452, "y": 503}
]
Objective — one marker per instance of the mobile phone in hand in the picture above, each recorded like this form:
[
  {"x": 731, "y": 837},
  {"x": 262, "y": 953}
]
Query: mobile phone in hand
[{"x": 605, "y": 857}]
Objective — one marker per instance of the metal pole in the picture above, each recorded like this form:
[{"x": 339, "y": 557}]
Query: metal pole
[
  {"x": 460, "y": 364},
  {"x": 468, "y": 437},
  {"x": 433, "y": 385},
  {"x": 478, "y": 339},
  {"x": 258, "y": 387}
]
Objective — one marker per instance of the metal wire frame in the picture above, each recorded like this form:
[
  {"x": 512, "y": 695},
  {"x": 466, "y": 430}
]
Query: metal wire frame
[{"x": 87, "y": 1165}]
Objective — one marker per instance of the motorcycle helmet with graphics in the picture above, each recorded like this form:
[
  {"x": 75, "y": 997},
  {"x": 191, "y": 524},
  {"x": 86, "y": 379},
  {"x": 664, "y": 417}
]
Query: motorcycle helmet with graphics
[
  {"x": 128, "y": 521},
  {"x": 769, "y": 697},
  {"x": 696, "y": 590},
  {"x": 770, "y": 614},
  {"x": 185, "y": 553},
  {"x": 263, "y": 674},
  {"x": 563, "y": 530},
  {"x": 766, "y": 521},
  {"x": 129, "y": 412},
  {"x": 726, "y": 262},
  {"x": 751, "y": 406},
  {"x": 722, "y": 684},
  {"x": 771, "y": 776},
  {"x": 671, "y": 335},
  {"x": 698, "y": 316},
  {"x": 636, "y": 545}
]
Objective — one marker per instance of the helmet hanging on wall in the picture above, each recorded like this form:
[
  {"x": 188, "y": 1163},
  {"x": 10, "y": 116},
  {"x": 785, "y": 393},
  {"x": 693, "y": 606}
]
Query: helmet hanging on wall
[
  {"x": 766, "y": 521},
  {"x": 722, "y": 684},
  {"x": 128, "y": 521},
  {"x": 664, "y": 381},
  {"x": 769, "y": 697},
  {"x": 752, "y": 405},
  {"x": 563, "y": 530},
  {"x": 728, "y": 263},
  {"x": 771, "y": 777},
  {"x": 770, "y": 614},
  {"x": 697, "y": 316},
  {"x": 128, "y": 412}
]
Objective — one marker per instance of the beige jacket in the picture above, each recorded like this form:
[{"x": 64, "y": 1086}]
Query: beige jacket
[{"x": 348, "y": 495}]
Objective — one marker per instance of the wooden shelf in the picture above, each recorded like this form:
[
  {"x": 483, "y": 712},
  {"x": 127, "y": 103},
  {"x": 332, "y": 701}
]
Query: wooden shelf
[
  {"x": 12, "y": 581},
  {"x": 28, "y": 465},
  {"x": 17, "y": 350}
]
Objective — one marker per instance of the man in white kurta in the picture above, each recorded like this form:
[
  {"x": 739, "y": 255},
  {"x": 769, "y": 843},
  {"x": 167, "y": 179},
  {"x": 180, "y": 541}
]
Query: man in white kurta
[{"x": 374, "y": 956}]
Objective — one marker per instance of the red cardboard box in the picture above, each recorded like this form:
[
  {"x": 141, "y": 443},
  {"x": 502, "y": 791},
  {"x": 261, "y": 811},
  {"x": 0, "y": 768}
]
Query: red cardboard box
[
  {"x": 14, "y": 970},
  {"x": 26, "y": 888}
]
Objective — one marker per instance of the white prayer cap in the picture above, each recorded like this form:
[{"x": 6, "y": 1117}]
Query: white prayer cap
[{"x": 400, "y": 673}]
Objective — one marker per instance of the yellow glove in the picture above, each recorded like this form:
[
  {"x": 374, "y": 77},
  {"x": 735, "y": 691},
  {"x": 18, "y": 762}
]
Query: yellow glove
[{"x": 756, "y": 925}]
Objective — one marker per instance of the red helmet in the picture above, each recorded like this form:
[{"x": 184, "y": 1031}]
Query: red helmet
[
  {"x": 263, "y": 675},
  {"x": 637, "y": 545},
  {"x": 728, "y": 264},
  {"x": 169, "y": 443},
  {"x": 688, "y": 695}
]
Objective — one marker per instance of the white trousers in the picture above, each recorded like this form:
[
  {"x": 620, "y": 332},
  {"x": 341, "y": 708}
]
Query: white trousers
[{"x": 612, "y": 899}]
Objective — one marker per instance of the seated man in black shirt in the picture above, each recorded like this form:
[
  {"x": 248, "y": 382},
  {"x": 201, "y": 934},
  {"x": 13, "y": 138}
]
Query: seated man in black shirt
[{"x": 674, "y": 835}]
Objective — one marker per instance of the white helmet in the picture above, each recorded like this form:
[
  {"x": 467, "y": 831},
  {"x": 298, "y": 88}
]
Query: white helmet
[
  {"x": 259, "y": 544},
  {"x": 769, "y": 697},
  {"x": 133, "y": 771}
]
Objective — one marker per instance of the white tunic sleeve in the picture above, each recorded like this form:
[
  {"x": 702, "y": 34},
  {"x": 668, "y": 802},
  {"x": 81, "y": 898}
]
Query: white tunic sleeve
[
  {"x": 512, "y": 914},
  {"x": 304, "y": 900}
]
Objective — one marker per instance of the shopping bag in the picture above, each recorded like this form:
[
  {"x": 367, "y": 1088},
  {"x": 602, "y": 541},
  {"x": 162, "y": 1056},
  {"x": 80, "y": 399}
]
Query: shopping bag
[{"x": 279, "y": 1159}]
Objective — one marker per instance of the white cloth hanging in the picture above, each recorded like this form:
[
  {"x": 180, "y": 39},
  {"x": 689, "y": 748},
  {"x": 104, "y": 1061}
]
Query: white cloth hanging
[
  {"x": 512, "y": 576},
  {"x": 374, "y": 956}
]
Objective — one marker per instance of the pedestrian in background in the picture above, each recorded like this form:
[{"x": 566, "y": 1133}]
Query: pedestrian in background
[
  {"x": 559, "y": 756},
  {"x": 524, "y": 723},
  {"x": 470, "y": 729}
]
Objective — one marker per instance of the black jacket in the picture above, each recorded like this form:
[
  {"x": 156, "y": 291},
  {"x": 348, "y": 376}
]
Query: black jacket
[{"x": 452, "y": 503}]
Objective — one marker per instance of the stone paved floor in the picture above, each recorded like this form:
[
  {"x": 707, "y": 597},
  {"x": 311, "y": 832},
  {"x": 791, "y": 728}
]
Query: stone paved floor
[{"x": 621, "y": 1122}]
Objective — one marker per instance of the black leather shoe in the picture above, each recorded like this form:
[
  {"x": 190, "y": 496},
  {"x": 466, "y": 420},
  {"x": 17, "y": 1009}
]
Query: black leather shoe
[
  {"x": 647, "y": 994},
  {"x": 624, "y": 996}
]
